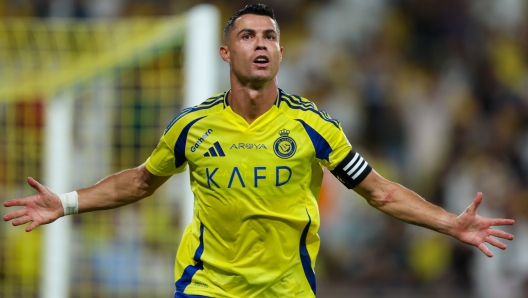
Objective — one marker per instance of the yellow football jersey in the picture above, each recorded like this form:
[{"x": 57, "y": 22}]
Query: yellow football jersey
[{"x": 255, "y": 223}]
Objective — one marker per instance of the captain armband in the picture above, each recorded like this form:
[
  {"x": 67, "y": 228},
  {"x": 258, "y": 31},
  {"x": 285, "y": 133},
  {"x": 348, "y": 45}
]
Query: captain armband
[{"x": 352, "y": 170}]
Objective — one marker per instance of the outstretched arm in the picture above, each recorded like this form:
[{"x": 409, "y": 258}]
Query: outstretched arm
[
  {"x": 114, "y": 191},
  {"x": 403, "y": 204}
]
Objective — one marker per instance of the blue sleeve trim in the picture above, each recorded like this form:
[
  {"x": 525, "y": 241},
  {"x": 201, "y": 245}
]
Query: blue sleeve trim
[
  {"x": 179, "y": 147},
  {"x": 322, "y": 148}
]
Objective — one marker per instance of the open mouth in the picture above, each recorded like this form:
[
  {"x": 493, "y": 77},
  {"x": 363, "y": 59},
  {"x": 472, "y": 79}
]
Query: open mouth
[{"x": 261, "y": 60}]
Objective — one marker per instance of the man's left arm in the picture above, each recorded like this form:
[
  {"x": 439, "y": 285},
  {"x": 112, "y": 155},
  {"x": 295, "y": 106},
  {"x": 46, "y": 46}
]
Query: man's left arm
[{"x": 404, "y": 204}]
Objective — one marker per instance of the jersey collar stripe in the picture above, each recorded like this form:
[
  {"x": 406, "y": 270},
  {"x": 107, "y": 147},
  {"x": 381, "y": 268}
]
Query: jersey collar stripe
[
  {"x": 183, "y": 112},
  {"x": 208, "y": 104},
  {"x": 298, "y": 99},
  {"x": 298, "y": 106},
  {"x": 226, "y": 98},
  {"x": 298, "y": 102},
  {"x": 211, "y": 99},
  {"x": 279, "y": 94},
  {"x": 198, "y": 108}
]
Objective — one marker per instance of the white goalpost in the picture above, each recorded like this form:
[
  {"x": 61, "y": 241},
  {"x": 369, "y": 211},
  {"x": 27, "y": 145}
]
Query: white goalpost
[
  {"x": 201, "y": 71},
  {"x": 57, "y": 172}
]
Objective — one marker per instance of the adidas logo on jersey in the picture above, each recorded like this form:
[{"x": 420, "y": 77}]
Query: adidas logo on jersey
[{"x": 215, "y": 150}]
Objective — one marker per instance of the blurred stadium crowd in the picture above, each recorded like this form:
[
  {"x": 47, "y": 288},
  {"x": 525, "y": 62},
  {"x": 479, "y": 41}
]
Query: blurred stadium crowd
[{"x": 433, "y": 93}]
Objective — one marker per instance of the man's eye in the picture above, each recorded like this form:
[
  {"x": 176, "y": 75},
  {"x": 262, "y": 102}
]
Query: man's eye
[
  {"x": 271, "y": 37},
  {"x": 247, "y": 36}
]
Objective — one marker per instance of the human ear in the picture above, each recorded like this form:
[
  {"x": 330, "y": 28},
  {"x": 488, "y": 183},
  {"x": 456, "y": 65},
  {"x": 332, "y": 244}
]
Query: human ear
[{"x": 224, "y": 53}]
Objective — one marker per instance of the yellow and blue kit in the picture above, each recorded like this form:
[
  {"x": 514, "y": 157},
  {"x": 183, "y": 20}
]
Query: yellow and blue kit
[{"x": 255, "y": 222}]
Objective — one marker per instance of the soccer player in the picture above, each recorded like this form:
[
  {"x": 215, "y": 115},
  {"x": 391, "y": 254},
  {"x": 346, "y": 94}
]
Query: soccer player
[{"x": 255, "y": 155}]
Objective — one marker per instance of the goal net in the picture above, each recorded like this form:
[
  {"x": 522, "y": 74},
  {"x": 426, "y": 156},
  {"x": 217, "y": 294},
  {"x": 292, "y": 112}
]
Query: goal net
[{"x": 79, "y": 100}]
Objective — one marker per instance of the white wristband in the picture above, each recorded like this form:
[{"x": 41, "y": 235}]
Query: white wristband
[{"x": 70, "y": 202}]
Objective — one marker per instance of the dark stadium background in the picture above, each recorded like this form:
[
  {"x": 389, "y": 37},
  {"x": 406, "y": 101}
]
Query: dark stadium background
[{"x": 434, "y": 94}]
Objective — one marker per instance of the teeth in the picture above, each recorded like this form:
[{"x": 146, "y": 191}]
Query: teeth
[{"x": 261, "y": 60}]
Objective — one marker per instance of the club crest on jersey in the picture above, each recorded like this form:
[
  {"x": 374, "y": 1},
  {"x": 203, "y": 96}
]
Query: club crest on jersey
[{"x": 284, "y": 147}]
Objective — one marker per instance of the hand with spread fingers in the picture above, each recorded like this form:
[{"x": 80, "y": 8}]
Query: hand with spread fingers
[
  {"x": 474, "y": 229},
  {"x": 42, "y": 208}
]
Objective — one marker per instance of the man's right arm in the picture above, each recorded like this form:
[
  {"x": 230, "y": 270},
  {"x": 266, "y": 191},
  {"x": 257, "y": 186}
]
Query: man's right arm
[
  {"x": 120, "y": 189},
  {"x": 114, "y": 191}
]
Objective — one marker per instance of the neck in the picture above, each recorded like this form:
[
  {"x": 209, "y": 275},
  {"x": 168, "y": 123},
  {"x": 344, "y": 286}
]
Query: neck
[{"x": 251, "y": 102}]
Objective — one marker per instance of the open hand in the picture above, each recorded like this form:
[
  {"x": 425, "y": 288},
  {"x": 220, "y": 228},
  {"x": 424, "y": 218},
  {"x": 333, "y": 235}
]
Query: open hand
[
  {"x": 42, "y": 208},
  {"x": 473, "y": 229}
]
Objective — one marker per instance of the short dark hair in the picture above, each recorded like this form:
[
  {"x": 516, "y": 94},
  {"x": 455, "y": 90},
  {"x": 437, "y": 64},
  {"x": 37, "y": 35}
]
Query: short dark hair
[{"x": 258, "y": 9}]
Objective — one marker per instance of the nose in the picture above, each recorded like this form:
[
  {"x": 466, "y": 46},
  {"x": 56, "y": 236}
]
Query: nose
[{"x": 260, "y": 44}]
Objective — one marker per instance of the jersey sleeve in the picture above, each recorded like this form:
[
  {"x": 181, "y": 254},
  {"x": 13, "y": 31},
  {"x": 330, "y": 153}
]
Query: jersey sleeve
[
  {"x": 162, "y": 162},
  {"x": 330, "y": 143},
  {"x": 169, "y": 156},
  {"x": 339, "y": 144}
]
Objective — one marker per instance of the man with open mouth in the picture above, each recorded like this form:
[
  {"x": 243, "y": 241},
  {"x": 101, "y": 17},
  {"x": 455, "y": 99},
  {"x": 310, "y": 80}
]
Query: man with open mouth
[{"x": 255, "y": 226}]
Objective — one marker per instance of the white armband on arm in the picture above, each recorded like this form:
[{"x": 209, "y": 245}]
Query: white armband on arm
[{"x": 70, "y": 202}]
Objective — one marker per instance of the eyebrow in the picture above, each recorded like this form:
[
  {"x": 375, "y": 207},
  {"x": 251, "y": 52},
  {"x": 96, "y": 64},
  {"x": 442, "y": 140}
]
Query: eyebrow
[{"x": 252, "y": 31}]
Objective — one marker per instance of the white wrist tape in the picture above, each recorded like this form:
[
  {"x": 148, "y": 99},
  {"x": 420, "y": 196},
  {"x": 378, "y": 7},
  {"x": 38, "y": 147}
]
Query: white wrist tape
[{"x": 70, "y": 202}]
